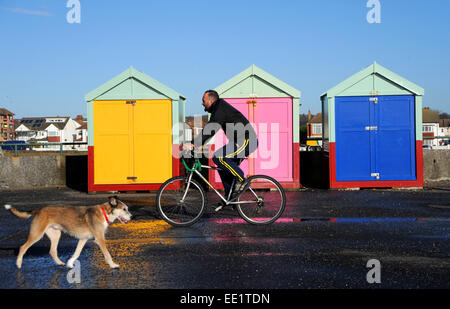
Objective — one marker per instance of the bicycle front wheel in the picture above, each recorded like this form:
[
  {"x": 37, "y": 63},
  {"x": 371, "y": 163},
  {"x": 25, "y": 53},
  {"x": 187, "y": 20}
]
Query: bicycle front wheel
[
  {"x": 179, "y": 204},
  {"x": 263, "y": 201}
]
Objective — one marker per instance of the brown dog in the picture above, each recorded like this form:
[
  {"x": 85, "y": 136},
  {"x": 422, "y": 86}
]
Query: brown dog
[{"x": 83, "y": 222}]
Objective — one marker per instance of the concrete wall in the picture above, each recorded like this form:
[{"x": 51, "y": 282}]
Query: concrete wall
[
  {"x": 31, "y": 170},
  {"x": 436, "y": 164}
]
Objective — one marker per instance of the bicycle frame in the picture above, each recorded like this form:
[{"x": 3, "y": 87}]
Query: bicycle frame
[{"x": 196, "y": 166}]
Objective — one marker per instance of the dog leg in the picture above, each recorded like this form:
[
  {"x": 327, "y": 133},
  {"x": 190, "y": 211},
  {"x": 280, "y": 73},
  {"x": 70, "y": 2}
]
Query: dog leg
[
  {"x": 100, "y": 240},
  {"x": 77, "y": 252},
  {"x": 54, "y": 236},
  {"x": 36, "y": 232}
]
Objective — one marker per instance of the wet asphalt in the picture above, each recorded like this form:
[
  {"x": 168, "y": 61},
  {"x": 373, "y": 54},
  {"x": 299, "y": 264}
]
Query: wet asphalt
[{"x": 324, "y": 240}]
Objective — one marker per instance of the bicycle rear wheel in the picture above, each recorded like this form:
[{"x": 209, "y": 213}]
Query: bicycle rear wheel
[
  {"x": 263, "y": 201},
  {"x": 178, "y": 211}
]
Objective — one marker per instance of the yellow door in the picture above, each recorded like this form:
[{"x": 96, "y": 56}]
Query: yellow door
[
  {"x": 133, "y": 142},
  {"x": 152, "y": 141},
  {"x": 113, "y": 142}
]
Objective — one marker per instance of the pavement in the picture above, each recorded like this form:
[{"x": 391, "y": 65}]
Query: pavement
[{"x": 325, "y": 239}]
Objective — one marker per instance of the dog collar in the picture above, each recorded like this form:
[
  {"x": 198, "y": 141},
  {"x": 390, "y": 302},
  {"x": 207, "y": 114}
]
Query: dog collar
[{"x": 104, "y": 214}]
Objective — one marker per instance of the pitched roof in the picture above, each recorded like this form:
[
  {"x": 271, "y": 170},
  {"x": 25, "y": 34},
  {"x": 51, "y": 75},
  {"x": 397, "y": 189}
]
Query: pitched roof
[
  {"x": 133, "y": 74},
  {"x": 375, "y": 69},
  {"x": 40, "y": 123},
  {"x": 429, "y": 115},
  {"x": 252, "y": 71},
  {"x": 83, "y": 126},
  {"x": 317, "y": 118},
  {"x": 4, "y": 111}
]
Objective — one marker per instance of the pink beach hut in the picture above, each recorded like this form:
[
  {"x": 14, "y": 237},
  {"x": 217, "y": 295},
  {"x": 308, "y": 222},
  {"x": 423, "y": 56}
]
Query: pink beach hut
[{"x": 272, "y": 107}]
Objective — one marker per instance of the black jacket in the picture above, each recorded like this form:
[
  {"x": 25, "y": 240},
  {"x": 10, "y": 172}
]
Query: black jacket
[{"x": 222, "y": 113}]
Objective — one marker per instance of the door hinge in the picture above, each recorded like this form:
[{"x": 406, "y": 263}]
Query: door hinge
[
  {"x": 371, "y": 128},
  {"x": 254, "y": 102},
  {"x": 377, "y": 175},
  {"x": 131, "y": 102},
  {"x": 132, "y": 178}
]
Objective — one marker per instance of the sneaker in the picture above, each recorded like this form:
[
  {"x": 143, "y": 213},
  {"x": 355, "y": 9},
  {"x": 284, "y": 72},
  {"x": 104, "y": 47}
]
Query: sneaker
[
  {"x": 218, "y": 208},
  {"x": 239, "y": 187},
  {"x": 221, "y": 206}
]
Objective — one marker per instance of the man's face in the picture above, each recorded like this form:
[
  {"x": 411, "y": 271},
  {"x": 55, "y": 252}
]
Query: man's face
[{"x": 207, "y": 101}]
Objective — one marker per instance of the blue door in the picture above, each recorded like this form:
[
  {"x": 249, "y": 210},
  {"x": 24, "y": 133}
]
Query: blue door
[
  {"x": 353, "y": 141},
  {"x": 375, "y": 138},
  {"x": 396, "y": 138}
]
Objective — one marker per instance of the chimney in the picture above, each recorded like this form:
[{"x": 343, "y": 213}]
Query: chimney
[{"x": 309, "y": 115}]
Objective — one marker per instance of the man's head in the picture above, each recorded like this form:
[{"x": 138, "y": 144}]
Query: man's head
[{"x": 209, "y": 98}]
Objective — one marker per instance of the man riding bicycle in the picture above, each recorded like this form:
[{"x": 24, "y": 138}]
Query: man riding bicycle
[{"x": 242, "y": 140}]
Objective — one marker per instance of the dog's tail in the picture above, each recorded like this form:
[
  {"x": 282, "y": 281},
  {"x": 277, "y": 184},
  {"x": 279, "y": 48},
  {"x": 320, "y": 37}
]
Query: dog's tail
[{"x": 17, "y": 213}]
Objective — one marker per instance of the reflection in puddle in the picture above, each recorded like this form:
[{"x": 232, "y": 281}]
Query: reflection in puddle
[
  {"x": 140, "y": 229},
  {"x": 266, "y": 254},
  {"x": 131, "y": 241},
  {"x": 240, "y": 221}
]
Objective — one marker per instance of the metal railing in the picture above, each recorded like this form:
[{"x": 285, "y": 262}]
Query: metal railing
[{"x": 16, "y": 147}]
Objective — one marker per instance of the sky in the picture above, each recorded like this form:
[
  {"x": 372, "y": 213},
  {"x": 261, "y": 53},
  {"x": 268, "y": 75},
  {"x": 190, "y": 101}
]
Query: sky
[{"x": 48, "y": 65}]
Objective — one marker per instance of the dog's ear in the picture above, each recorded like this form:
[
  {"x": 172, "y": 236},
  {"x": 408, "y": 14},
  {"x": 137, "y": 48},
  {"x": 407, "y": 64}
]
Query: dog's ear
[{"x": 113, "y": 201}]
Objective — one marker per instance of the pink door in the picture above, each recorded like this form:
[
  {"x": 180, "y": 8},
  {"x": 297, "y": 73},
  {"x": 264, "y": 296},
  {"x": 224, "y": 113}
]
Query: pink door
[
  {"x": 221, "y": 140},
  {"x": 272, "y": 120}
]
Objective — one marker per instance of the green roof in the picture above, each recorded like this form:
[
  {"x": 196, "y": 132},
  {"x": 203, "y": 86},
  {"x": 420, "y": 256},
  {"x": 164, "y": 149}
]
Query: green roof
[
  {"x": 255, "y": 82},
  {"x": 375, "y": 79},
  {"x": 132, "y": 84}
]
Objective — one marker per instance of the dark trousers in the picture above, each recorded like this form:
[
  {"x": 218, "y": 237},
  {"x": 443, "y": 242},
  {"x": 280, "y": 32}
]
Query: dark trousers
[{"x": 229, "y": 157}]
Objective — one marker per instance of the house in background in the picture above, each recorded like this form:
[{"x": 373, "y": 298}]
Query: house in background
[
  {"x": 194, "y": 126},
  {"x": 314, "y": 130},
  {"x": 49, "y": 130},
  {"x": 430, "y": 127},
  {"x": 444, "y": 132},
  {"x": 81, "y": 131},
  {"x": 7, "y": 132}
]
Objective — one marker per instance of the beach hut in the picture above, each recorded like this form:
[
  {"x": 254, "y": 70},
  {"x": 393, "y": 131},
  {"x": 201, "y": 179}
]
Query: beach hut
[
  {"x": 134, "y": 133},
  {"x": 272, "y": 107},
  {"x": 372, "y": 131}
]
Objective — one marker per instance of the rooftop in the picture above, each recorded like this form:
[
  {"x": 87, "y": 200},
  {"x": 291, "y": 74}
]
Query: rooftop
[{"x": 4, "y": 111}]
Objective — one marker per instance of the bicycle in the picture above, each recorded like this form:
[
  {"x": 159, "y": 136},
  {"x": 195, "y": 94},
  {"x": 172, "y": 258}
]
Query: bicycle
[{"x": 181, "y": 200}]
